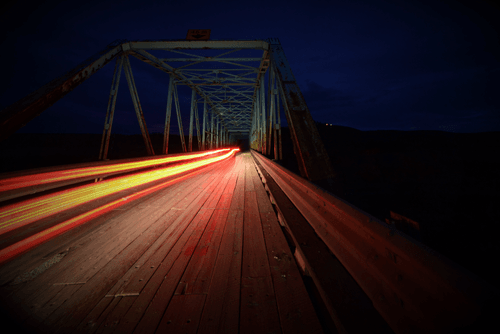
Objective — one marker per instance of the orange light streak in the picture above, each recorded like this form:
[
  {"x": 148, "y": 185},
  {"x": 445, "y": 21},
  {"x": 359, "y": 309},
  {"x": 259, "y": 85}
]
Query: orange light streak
[
  {"x": 29, "y": 211},
  {"x": 49, "y": 177},
  {"x": 41, "y": 237}
]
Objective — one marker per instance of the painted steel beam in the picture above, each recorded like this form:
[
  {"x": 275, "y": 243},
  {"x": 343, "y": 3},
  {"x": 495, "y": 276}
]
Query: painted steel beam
[
  {"x": 110, "y": 112},
  {"x": 21, "y": 112},
  {"x": 183, "y": 44},
  {"x": 191, "y": 120},
  {"x": 166, "y": 131},
  {"x": 204, "y": 140},
  {"x": 197, "y": 120},
  {"x": 207, "y": 59},
  {"x": 179, "y": 119},
  {"x": 314, "y": 163},
  {"x": 137, "y": 105},
  {"x": 155, "y": 62}
]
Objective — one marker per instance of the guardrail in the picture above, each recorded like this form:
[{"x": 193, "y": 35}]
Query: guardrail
[{"x": 414, "y": 288}]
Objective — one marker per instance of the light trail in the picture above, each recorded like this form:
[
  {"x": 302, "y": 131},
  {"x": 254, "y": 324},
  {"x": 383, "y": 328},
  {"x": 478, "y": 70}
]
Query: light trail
[
  {"x": 50, "y": 177},
  {"x": 33, "y": 241},
  {"x": 29, "y": 211}
]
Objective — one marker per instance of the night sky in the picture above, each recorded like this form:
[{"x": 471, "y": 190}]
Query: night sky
[{"x": 370, "y": 65}]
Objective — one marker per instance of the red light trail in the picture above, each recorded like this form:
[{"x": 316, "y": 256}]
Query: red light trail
[
  {"x": 63, "y": 175},
  {"x": 29, "y": 211}
]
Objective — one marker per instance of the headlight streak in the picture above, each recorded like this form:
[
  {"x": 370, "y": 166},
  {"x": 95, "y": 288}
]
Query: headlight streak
[
  {"x": 49, "y": 177},
  {"x": 29, "y": 211}
]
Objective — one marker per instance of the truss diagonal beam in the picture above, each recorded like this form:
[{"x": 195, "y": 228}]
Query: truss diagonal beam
[
  {"x": 152, "y": 60},
  {"x": 312, "y": 157},
  {"x": 166, "y": 131},
  {"x": 24, "y": 110},
  {"x": 110, "y": 112},
  {"x": 137, "y": 105}
]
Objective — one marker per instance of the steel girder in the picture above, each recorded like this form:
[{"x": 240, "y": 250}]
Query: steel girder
[
  {"x": 314, "y": 163},
  {"x": 233, "y": 94},
  {"x": 21, "y": 112}
]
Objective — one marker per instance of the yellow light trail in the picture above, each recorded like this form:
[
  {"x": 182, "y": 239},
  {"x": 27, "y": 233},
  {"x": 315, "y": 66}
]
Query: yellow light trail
[
  {"x": 29, "y": 211},
  {"x": 36, "y": 239},
  {"x": 49, "y": 177}
]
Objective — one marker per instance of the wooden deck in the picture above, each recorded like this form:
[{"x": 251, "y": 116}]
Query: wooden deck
[{"x": 206, "y": 255}]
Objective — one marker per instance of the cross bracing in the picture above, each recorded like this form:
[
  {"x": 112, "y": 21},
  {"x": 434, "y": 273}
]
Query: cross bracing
[{"x": 242, "y": 86}]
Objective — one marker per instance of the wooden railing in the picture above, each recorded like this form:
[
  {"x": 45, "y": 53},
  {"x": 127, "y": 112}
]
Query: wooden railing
[{"x": 414, "y": 288}]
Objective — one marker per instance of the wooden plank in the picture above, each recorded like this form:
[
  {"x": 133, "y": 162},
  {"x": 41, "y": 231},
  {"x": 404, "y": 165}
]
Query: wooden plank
[
  {"x": 144, "y": 268},
  {"x": 71, "y": 239},
  {"x": 46, "y": 310},
  {"x": 30, "y": 295},
  {"x": 100, "y": 256},
  {"x": 249, "y": 186},
  {"x": 173, "y": 274},
  {"x": 238, "y": 200},
  {"x": 213, "y": 201},
  {"x": 255, "y": 263},
  {"x": 153, "y": 302},
  {"x": 96, "y": 316},
  {"x": 296, "y": 311},
  {"x": 142, "y": 271},
  {"x": 148, "y": 291},
  {"x": 85, "y": 299},
  {"x": 118, "y": 223},
  {"x": 258, "y": 309},
  {"x": 108, "y": 325},
  {"x": 221, "y": 311},
  {"x": 182, "y": 315},
  {"x": 196, "y": 277},
  {"x": 85, "y": 270}
]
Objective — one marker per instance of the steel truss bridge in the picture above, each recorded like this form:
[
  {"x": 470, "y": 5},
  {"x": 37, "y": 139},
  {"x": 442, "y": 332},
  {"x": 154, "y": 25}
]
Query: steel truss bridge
[{"x": 212, "y": 240}]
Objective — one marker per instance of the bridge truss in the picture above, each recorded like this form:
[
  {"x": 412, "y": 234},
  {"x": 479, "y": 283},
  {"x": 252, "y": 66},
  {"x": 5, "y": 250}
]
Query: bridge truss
[{"x": 228, "y": 88}]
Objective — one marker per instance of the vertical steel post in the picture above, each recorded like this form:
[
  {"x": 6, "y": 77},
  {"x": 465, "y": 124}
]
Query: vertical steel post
[
  {"x": 108, "y": 121},
  {"x": 212, "y": 130},
  {"x": 255, "y": 134},
  {"x": 270, "y": 106},
  {"x": 217, "y": 133},
  {"x": 166, "y": 130},
  {"x": 137, "y": 106},
  {"x": 259, "y": 120},
  {"x": 312, "y": 157},
  {"x": 272, "y": 125},
  {"x": 279, "y": 125},
  {"x": 203, "y": 140},
  {"x": 191, "y": 119},
  {"x": 179, "y": 119},
  {"x": 269, "y": 116},
  {"x": 197, "y": 125},
  {"x": 222, "y": 130},
  {"x": 263, "y": 104}
]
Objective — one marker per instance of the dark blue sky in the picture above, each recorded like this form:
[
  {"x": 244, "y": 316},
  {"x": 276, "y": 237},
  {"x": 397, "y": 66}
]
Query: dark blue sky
[{"x": 370, "y": 65}]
